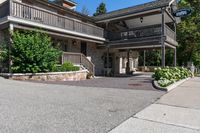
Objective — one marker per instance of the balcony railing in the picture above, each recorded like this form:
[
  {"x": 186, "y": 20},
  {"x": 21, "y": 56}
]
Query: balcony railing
[
  {"x": 39, "y": 15},
  {"x": 142, "y": 32}
]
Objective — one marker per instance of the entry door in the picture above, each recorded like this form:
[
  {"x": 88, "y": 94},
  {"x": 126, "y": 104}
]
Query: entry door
[{"x": 84, "y": 48}]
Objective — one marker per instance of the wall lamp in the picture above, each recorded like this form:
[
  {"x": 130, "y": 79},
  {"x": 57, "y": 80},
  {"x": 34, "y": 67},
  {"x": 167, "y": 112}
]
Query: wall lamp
[{"x": 141, "y": 19}]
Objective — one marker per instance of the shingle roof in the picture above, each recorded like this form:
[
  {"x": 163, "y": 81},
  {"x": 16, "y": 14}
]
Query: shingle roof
[{"x": 134, "y": 9}]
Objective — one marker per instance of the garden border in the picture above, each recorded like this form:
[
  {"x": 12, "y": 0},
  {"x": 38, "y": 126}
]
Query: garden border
[{"x": 170, "y": 87}]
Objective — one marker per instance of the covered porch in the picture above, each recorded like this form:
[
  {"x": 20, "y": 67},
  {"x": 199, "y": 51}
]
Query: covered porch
[{"x": 143, "y": 27}]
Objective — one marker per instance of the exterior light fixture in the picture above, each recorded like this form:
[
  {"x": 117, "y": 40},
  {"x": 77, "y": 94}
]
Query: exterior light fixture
[
  {"x": 74, "y": 42},
  {"x": 141, "y": 19}
]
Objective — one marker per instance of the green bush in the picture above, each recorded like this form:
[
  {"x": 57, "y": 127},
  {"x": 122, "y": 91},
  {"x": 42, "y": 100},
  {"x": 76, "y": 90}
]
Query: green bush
[
  {"x": 168, "y": 75},
  {"x": 65, "y": 67},
  {"x": 32, "y": 52}
]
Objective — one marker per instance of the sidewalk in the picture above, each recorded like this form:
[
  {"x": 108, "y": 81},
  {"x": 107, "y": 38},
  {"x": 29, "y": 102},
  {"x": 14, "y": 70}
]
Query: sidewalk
[{"x": 176, "y": 112}]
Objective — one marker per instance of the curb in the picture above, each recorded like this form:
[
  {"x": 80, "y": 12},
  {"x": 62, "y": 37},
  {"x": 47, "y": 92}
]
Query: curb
[{"x": 170, "y": 87}]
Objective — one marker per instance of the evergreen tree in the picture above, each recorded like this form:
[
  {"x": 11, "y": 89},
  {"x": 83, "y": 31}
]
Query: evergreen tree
[{"x": 101, "y": 9}]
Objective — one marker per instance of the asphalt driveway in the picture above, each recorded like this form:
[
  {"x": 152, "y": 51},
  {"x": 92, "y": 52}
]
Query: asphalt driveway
[
  {"x": 52, "y": 108},
  {"x": 139, "y": 81}
]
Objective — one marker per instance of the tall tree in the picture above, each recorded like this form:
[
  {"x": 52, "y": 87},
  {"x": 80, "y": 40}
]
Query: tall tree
[
  {"x": 85, "y": 11},
  {"x": 101, "y": 9},
  {"x": 188, "y": 33}
]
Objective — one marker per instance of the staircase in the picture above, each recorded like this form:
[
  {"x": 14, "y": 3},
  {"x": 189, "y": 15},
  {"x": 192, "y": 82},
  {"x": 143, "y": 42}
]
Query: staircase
[{"x": 79, "y": 59}]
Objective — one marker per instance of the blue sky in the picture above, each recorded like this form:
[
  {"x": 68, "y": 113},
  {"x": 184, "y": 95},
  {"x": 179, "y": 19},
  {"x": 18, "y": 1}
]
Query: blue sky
[{"x": 110, "y": 4}]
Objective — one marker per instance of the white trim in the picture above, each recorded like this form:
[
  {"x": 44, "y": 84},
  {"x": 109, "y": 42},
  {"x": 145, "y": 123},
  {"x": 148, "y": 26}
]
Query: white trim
[
  {"x": 30, "y": 23},
  {"x": 171, "y": 2}
]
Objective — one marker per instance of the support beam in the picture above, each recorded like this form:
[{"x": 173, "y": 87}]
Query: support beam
[
  {"x": 163, "y": 37},
  {"x": 175, "y": 57},
  {"x": 128, "y": 62},
  {"x": 107, "y": 61},
  {"x": 144, "y": 60}
]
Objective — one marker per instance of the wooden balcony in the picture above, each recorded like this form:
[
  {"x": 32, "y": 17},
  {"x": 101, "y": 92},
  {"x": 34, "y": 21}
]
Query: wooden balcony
[
  {"x": 38, "y": 15},
  {"x": 141, "y": 33}
]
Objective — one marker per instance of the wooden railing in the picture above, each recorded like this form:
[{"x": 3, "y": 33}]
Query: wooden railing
[
  {"x": 169, "y": 32},
  {"x": 79, "y": 59},
  {"x": 136, "y": 33},
  {"x": 141, "y": 32},
  {"x": 39, "y": 15}
]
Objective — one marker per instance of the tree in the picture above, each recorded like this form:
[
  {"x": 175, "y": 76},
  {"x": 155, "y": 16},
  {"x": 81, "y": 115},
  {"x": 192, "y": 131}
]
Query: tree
[
  {"x": 32, "y": 52},
  {"x": 188, "y": 33},
  {"x": 101, "y": 9},
  {"x": 85, "y": 11}
]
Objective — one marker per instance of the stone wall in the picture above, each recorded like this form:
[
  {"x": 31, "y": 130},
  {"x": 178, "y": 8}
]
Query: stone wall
[{"x": 55, "y": 76}]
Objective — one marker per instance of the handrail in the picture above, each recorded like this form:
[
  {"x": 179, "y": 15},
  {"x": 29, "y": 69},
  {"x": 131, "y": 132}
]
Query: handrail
[
  {"x": 28, "y": 12},
  {"x": 79, "y": 59}
]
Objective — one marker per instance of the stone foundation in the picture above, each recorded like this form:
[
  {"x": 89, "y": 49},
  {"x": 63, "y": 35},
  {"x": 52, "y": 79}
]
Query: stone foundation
[{"x": 55, "y": 76}]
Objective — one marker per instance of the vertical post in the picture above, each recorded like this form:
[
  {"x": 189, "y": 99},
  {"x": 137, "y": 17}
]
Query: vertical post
[
  {"x": 107, "y": 61},
  {"x": 163, "y": 37},
  {"x": 11, "y": 29},
  {"x": 144, "y": 60},
  {"x": 128, "y": 62},
  {"x": 10, "y": 7},
  {"x": 175, "y": 29},
  {"x": 175, "y": 57}
]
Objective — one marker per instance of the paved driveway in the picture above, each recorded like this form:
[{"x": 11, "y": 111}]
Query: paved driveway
[
  {"x": 50, "y": 108},
  {"x": 140, "y": 81}
]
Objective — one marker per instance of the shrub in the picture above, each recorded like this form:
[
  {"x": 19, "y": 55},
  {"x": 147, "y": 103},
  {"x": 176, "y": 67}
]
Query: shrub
[
  {"x": 168, "y": 75},
  {"x": 65, "y": 67},
  {"x": 32, "y": 52}
]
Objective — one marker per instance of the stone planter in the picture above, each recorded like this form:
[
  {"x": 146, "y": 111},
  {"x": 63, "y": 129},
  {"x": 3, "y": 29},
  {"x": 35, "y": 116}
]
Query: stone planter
[{"x": 52, "y": 76}]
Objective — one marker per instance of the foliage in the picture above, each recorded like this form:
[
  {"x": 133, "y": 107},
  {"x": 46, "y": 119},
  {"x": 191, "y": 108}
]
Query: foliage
[
  {"x": 85, "y": 11},
  {"x": 152, "y": 58},
  {"x": 188, "y": 33},
  {"x": 4, "y": 54},
  {"x": 168, "y": 75},
  {"x": 65, "y": 67},
  {"x": 32, "y": 52},
  {"x": 101, "y": 9}
]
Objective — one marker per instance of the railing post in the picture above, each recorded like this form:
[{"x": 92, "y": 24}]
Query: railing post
[
  {"x": 10, "y": 7},
  {"x": 81, "y": 59}
]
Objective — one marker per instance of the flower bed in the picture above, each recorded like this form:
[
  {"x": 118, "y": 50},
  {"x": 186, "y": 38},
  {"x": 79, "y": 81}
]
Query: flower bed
[{"x": 169, "y": 75}]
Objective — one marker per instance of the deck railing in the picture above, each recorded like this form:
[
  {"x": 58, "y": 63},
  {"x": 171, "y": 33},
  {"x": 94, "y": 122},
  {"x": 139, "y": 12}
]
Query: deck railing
[
  {"x": 39, "y": 15},
  {"x": 141, "y": 32},
  {"x": 79, "y": 59},
  {"x": 169, "y": 32}
]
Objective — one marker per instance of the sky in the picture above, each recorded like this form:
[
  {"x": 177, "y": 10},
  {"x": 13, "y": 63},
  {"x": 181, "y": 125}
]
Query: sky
[{"x": 111, "y": 5}]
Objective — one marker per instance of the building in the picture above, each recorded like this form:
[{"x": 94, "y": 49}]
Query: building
[{"x": 105, "y": 44}]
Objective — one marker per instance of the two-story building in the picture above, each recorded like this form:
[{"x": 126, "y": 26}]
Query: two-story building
[{"x": 105, "y": 44}]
